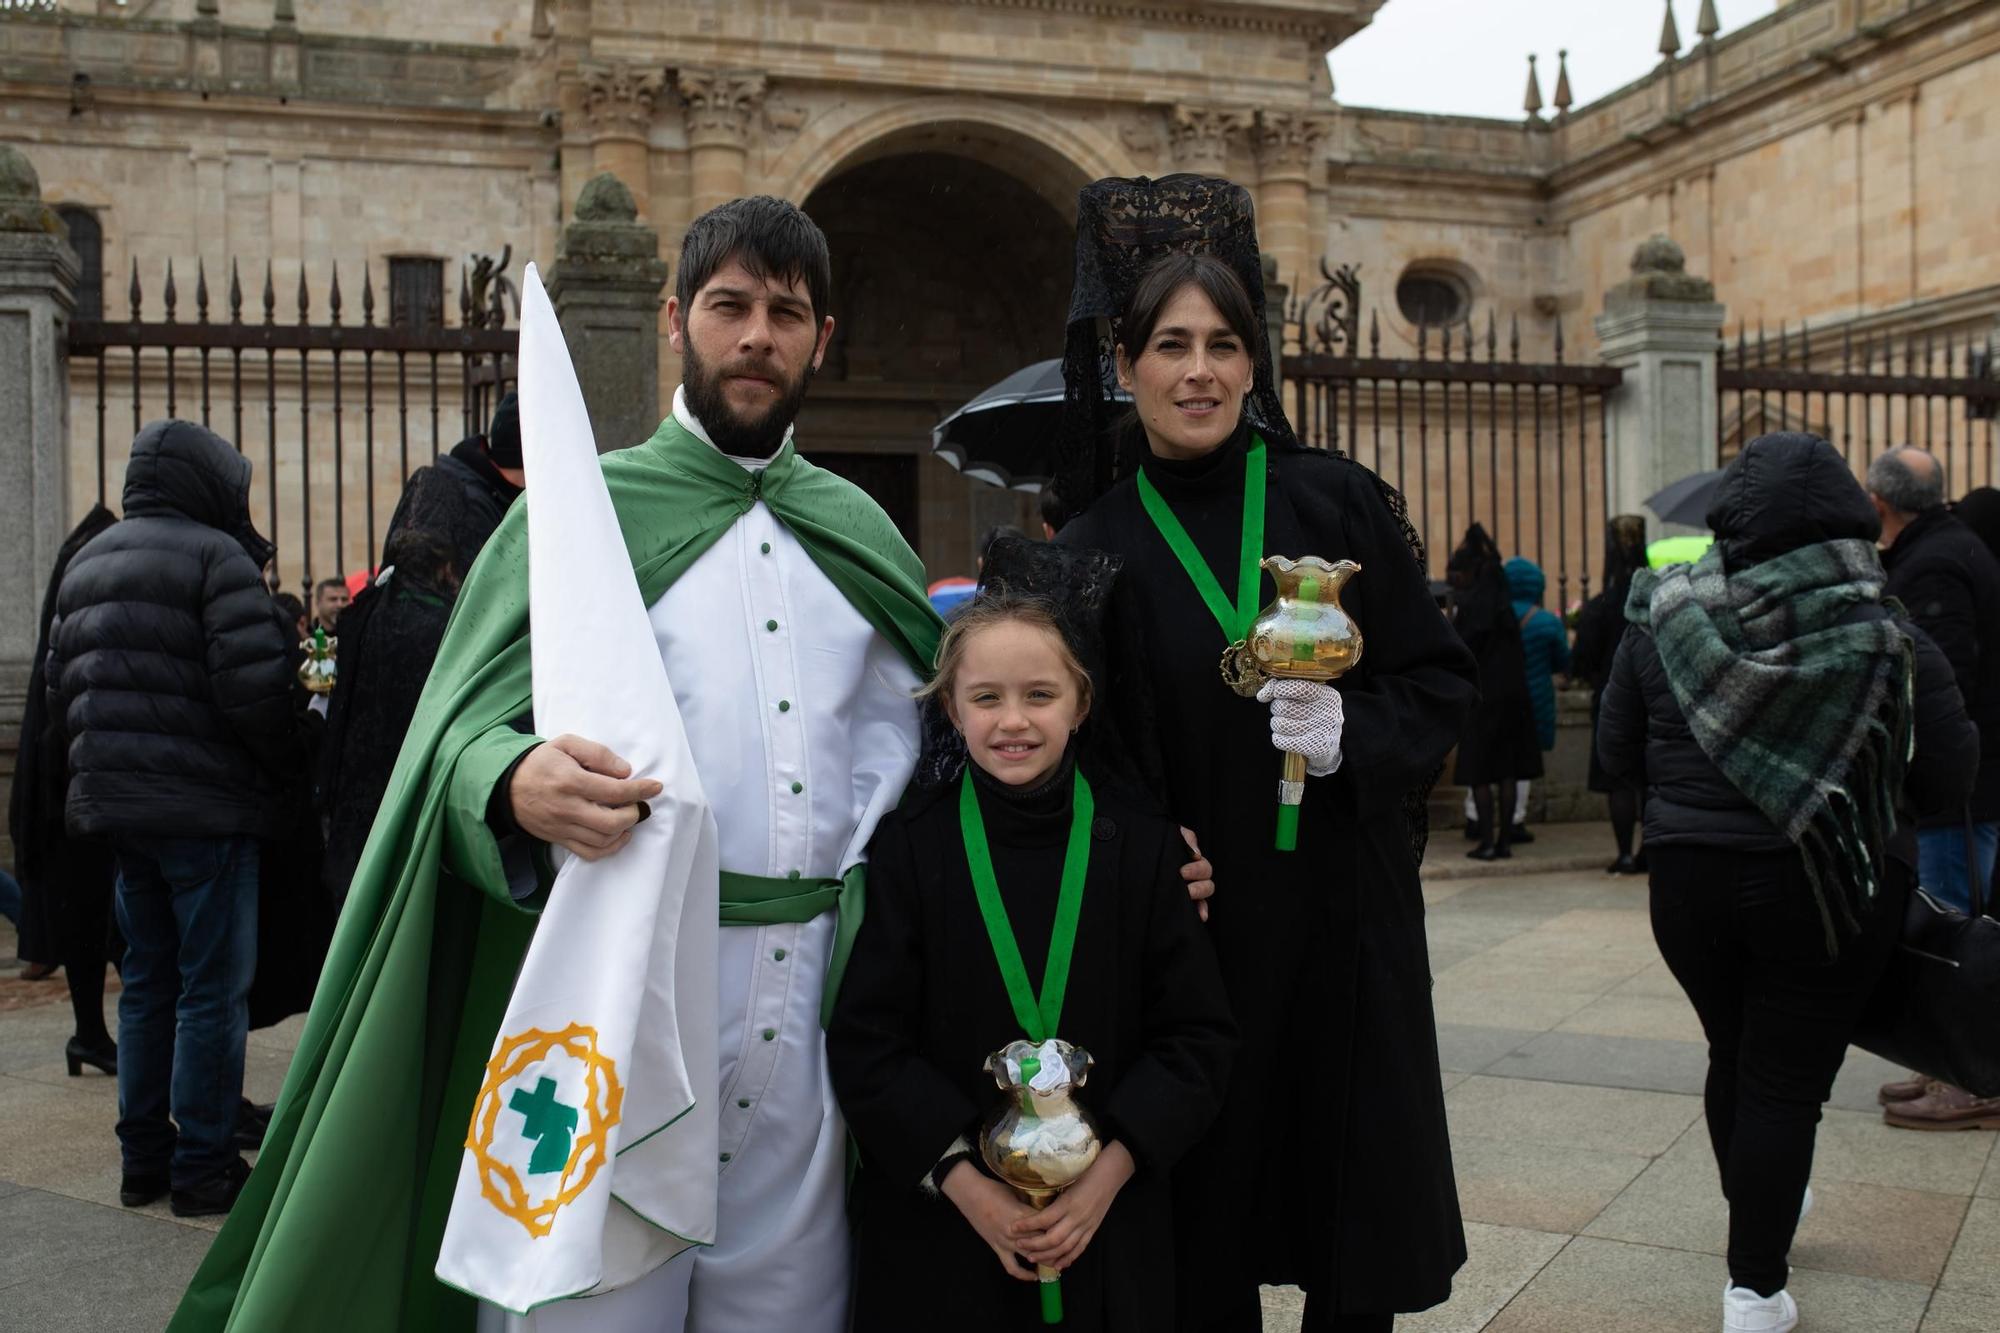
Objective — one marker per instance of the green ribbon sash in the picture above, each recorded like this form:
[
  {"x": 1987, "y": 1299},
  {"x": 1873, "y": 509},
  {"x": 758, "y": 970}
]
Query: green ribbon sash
[
  {"x": 1039, "y": 1017},
  {"x": 758, "y": 900},
  {"x": 1235, "y": 620}
]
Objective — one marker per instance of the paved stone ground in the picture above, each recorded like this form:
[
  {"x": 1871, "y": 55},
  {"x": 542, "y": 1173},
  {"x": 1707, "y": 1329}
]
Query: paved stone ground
[{"x": 1573, "y": 1071}]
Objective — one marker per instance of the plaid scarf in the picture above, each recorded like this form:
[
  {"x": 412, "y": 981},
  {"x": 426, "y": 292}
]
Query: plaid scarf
[{"x": 1804, "y": 711}]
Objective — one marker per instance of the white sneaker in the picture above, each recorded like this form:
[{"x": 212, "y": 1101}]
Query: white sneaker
[{"x": 1744, "y": 1311}]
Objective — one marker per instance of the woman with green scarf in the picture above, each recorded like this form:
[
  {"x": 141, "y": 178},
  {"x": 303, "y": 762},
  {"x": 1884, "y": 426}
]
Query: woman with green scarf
[{"x": 1787, "y": 725}]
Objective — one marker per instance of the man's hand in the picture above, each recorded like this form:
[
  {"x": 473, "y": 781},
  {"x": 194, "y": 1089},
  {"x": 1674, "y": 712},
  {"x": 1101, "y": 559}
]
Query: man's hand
[
  {"x": 1056, "y": 1235},
  {"x": 577, "y": 794},
  {"x": 993, "y": 1210},
  {"x": 1199, "y": 874}
]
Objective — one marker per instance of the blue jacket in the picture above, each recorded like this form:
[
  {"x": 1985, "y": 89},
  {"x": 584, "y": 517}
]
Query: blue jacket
[{"x": 1544, "y": 643}]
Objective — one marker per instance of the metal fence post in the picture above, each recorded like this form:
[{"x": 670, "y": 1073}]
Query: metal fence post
[
  {"x": 38, "y": 273},
  {"x": 1662, "y": 327},
  {"x": 605, "y": 285}
]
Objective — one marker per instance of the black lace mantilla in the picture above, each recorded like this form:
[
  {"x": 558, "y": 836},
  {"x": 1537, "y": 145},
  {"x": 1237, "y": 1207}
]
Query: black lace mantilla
[{"x": 1075, "y": 584}]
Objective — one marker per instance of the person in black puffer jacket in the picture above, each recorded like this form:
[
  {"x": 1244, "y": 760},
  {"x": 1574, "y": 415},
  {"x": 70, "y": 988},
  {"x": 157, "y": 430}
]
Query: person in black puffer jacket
[
  {"x": 169, "y": 683},
  {"x": 1780, "y": 813}
]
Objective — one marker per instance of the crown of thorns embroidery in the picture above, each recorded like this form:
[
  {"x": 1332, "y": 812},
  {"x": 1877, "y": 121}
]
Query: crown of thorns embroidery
[{"x": 571, "y": 1140}]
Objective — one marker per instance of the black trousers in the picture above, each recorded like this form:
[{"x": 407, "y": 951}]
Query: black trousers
[{"x": 1742, "y": 935}]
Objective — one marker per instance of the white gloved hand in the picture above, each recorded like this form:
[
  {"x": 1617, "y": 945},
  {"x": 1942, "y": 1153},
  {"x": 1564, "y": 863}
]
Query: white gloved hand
[{"x": 1306, "y": 719}]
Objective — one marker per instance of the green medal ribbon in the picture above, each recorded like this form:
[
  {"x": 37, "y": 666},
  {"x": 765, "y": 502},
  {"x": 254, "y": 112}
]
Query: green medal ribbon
[
  {"x": 1235, "y": 620},
  {"x": 1039, "y": 1018}
]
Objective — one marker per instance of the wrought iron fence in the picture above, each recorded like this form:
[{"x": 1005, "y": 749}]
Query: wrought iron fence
[
  {"x": 1865, "y": 394},
  {"x": 1466, "y": 433},
  {"x": 329, "y": 481}
]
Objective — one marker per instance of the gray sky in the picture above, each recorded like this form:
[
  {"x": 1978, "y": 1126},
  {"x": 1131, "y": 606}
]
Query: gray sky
[{"x": 1470, "y": 57}]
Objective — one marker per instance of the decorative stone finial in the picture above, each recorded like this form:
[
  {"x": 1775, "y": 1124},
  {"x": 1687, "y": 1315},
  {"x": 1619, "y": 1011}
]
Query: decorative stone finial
[
  {"x": 605, "y": 198},
  {"x": 1708, "y": 24},
  {"x": 1670, "y": 35},
  {"x": 21, "y": 206},
  {"x": 1563, "y": 98},
  {"x": 1659, "y": 273},
  {"x": 1532, "y": 101}
]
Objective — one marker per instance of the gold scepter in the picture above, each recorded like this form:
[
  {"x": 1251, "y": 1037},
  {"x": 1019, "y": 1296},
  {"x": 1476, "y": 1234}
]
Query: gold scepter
[
  {"x": 1040, "y": 1141},
  {"x": 1302, "y": 635}
]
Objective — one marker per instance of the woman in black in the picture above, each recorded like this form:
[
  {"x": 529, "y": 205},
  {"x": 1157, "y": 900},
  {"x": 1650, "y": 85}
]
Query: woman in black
[
  {"x": 1599, "y": 627},
  {"x": 1778, "y": 811},
  {"x": 941, "y": 1244},
  {"x": 1330, "y": 1165},
  {"x": 1498, "y": 746}
]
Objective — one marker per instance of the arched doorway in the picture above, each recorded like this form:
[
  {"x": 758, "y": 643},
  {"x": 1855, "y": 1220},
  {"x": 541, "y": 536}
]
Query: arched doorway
[{"x": 949, "y": 273}]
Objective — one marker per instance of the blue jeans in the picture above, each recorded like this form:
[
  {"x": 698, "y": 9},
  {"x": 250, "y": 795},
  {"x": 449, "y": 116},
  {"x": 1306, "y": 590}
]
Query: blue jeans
[
  {"x": 188, "y": 909},
  {"x": 1941, "y": 864}
]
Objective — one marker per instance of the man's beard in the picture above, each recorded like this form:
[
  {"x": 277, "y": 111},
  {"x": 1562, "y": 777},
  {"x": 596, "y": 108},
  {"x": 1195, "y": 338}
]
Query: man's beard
[{"x": 758, "y": 438}]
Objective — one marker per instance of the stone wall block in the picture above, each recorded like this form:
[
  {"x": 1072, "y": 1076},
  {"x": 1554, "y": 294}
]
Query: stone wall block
[{"x": 605, "y": 285}]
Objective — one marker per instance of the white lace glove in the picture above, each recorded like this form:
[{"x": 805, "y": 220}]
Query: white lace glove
[{"x": 1306, "y": 719}]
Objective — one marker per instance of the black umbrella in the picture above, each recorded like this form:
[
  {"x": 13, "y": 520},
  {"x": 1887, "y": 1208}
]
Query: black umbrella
[
  {"x": 1006, "y": 435},
  {"x": 1686, "y": 501}
]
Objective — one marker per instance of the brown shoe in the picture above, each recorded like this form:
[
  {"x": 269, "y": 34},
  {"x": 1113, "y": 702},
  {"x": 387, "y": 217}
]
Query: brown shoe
[
  {"x": 1907, "y": 1090},
  {"x": 1945, "y": 1107}
]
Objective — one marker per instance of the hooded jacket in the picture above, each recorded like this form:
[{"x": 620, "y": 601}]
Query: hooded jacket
[
  {"x": 1544, "y": 643},
  {"x": 1949, "y": 584},
  {"x": 1784, "y": 491},
  {"x": 167, "y": 673}
]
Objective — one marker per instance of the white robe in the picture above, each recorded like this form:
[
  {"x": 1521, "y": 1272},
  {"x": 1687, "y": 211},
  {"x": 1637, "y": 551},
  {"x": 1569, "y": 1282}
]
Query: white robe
[{"x": 804, "y": 736}]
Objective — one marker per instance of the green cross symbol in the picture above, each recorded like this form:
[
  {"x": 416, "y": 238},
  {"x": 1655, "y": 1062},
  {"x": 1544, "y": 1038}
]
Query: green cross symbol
[{"x": 548, "y": 1122}]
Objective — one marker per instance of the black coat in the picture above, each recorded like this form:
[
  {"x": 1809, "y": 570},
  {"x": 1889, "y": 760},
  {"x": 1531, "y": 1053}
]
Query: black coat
[
  {"x": 1330, "y": 1165},
  {"x": 167, "y": 667},
  {"x": 1784, "y": 492},
  {"x": 1499, "y": 742},
  {"x": 65, "y": 884},
  {"x": 1949, "y": 584},
  {"x": 922, "y": 1005}
]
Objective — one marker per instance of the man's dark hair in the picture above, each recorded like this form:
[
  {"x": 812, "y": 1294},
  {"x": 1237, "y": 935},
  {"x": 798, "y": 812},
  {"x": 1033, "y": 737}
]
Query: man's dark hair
[
  {"x": 769, "y": 237},
  {"x": 1052, "y": 508},
  {"x": 290, "y": 607},
  {"x": 324, "y": 584},
  {"x": 994, "y": 534}
]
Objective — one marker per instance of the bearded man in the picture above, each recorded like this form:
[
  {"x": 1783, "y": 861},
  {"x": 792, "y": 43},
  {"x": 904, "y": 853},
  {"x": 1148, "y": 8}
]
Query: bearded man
[{"x": 792, "y": 623}]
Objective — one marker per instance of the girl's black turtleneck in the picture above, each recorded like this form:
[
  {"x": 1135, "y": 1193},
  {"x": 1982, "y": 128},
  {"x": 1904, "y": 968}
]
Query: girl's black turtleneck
[{"x": 1027, "y": 831}]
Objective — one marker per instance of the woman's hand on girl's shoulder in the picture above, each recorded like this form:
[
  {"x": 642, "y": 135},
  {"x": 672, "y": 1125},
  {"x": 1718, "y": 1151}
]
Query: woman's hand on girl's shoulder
[
  {"x": 993, "y": 1210},
  {"x": 1199, "y": 874}
]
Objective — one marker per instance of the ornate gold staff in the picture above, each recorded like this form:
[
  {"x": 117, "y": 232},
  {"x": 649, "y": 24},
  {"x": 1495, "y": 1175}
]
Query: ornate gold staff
[
  {"x": 1039, "y": 1140},
  {"x": 1302, "y": 635}
]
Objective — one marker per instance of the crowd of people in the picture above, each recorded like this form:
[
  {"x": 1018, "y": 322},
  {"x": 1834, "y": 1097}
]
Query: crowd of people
[{"x": 1065, "y": 821}]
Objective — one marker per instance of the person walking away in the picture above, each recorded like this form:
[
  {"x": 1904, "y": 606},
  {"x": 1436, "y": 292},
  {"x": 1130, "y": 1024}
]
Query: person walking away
[
  {"x": 1545, "y": 653},
  {"x": 1599, "y": 627},
  {"x": 1780, "y": 815},
  {"x": 65, "y": 882},
  {"x": 925, "y": 1004},
  {"x": 1497, "y": 746},
  {"x": 1949, "y": 584},
  {"x": 1980, "y": 511},
  {"x": 391, "y": 633},
  {"x": 1330, "y": 1170},
  {"x": 168, "y": 680}
]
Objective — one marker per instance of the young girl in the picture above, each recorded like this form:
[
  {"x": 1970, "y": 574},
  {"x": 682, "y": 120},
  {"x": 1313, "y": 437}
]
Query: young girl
[{"x": 942, "y": 1244}]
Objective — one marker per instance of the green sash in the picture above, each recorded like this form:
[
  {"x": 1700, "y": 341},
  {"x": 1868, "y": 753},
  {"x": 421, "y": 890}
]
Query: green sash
[{"x": 756, "y": 900}]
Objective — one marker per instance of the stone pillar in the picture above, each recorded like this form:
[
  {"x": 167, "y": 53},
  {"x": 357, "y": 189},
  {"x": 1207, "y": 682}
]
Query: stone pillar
[
  {"x": 618, "y": 105},
  {"x": 1662, "y": 327},
  {"x": 38, "y": 273},
  {"x": 721, "y": 104},
  {"x": 1287, "y": 142},
  {"x": 1275, "y": 296},
  {"x": 605, "y": 286},
  {"x": 1201, "y": 137}
]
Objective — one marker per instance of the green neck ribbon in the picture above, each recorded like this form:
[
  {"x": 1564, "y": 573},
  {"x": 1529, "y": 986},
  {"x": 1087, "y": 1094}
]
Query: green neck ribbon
[
  {"x": 1039, "y": 1018},
  {"x": 1235, "y": 620}
]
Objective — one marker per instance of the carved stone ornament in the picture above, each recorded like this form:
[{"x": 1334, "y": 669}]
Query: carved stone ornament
[
  {"x": 21, "y": 206},
  {"x": 1659, "y": 273},
  {"x": 1202, "y": 135},
  {"x": 621, "y": 97},
  {"x": 1286, "y": 140},
  {"x": 721, "y": 104}
]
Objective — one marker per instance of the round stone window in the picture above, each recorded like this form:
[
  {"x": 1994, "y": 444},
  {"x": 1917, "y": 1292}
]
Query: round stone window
[{"x": 1432, "y": 297}]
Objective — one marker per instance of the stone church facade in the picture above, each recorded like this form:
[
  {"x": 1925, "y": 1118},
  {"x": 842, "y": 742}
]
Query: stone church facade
[{"x": 1834, "y": 163}]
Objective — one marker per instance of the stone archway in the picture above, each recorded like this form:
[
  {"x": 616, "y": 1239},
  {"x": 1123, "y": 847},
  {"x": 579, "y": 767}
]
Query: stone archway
[{"x": 951, "y": 271}]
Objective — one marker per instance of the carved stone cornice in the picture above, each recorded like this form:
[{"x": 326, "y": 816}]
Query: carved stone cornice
[
  {"x": 721, "y": 104},
  {"x": 1286, "y": 141},
  {"x": 1202, "y": 135},
  {"x": 620, "y": 99}
]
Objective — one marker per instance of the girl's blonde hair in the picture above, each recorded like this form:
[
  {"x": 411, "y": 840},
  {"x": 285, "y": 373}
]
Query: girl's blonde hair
[{"x": 986, "y": 611}]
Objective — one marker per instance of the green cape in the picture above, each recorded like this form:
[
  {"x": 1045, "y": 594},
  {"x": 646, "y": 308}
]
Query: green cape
[{"x": 339, "y": 1226}]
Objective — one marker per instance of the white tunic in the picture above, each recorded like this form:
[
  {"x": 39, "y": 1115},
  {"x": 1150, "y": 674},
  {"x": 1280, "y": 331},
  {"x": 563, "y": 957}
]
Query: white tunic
[{"x": 801, "y": 721}]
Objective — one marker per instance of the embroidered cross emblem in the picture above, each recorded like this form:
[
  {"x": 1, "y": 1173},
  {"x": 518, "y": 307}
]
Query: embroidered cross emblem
[{"x": 548, "y": 1122}]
